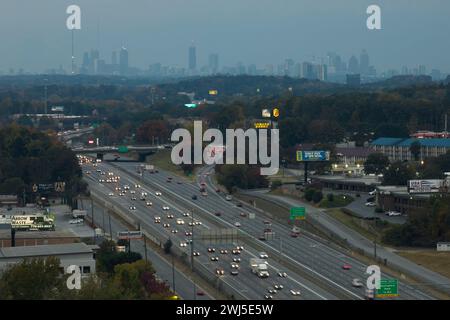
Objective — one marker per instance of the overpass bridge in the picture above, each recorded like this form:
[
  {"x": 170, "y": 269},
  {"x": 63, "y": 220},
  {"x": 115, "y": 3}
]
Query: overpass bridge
[{"x": 141, "y": 150}]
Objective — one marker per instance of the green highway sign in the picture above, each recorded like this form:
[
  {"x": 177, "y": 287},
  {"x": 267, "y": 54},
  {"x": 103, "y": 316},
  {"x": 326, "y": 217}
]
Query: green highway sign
[
  {"x": 122, "y": 149},
  {"x": 298, "y": 213},
  {"x": 388, "y": 288}
]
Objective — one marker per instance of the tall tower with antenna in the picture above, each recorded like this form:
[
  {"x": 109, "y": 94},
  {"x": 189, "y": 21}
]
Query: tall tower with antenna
[{"x": 73, "y": 52}]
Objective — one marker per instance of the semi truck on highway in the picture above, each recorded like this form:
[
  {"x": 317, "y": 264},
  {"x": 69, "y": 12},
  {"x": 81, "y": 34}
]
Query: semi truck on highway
[
  {"x": 77, "y": 214},
  {"x": 259, "y": 267}
]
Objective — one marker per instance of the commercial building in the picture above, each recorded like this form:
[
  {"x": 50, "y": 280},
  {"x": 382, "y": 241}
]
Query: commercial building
[
  {"x": 395, "y": 198},
  {"x": 36, "y": 238},
  {"x": 348, "y": 183},
  {"x": 398, "y": 149},
  {"x": 79, "y": 254}
]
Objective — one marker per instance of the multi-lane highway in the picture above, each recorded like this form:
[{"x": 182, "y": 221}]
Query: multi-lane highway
[
  {"x": 318, "y": 269},
  {"x": 246, "y": 284}
]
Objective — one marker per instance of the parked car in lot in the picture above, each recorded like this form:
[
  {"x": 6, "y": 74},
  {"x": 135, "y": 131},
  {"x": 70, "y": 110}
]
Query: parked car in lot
[{"x": 393, "y": 213}]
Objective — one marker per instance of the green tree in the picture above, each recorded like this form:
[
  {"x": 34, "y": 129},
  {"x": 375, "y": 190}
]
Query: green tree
[
  {"x": 168, "y": 246},
  {"x": 391, "y": 130},
  {"x": 376, "y": 163},
  {"x": 309, "y": 193},
  {"x": 415, "y": 150},
  {"x": 317, "y": 196},
  {"x": 33, "y": 279},
  {"x": 398, "y": 174}
]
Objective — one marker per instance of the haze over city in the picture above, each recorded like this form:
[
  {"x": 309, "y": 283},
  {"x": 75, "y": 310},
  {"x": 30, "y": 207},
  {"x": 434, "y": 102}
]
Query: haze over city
[{"x": 260, "y": 32}]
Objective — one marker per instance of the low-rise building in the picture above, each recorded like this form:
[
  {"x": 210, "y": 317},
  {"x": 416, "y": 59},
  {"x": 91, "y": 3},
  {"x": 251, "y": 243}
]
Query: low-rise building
[
  {"x": 398, "y": 149},
  {"x": 348, "y": 183},
  {"x": 35, "y": 238},
  {"x": 79, "y": 254},
  {"x": 397, "y": 198}
]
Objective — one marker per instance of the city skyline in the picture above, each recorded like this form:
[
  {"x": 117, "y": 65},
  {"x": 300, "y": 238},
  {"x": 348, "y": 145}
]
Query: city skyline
[{"x": 250, "y": 32}]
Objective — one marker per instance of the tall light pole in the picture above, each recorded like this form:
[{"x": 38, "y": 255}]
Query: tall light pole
[
  {"x": 45, "y": 96},
  {"x": 192, "y": 253}
]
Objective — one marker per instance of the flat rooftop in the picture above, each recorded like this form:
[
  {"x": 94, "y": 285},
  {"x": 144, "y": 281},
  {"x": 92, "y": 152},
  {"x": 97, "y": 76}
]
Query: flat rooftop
[
  {"x": 366, "y": 180},
  {"x": 66, "y": 233},
  {"x": 46, "y": 250}
]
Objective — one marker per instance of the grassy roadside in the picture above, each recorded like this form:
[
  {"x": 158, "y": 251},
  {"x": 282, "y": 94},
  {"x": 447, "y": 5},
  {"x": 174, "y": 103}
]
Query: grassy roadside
[
  {"x": 161, "y": 159},
  {"x": 430, "y": 259},
  {"x": 353, "y": 224}
]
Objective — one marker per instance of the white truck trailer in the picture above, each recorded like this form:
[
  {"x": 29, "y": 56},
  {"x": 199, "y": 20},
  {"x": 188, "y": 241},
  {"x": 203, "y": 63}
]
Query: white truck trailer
[{"x": 259, "y": 267}]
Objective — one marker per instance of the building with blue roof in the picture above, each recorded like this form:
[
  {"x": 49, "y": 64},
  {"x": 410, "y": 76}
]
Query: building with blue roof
[{"x": 398, "y": 149}]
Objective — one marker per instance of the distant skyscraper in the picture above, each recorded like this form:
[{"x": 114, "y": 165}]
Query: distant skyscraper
[
  {"x": 289, "y": 67},
  {"x": 405, "y": 70},
  {"x": 307, "y": 71},
  {"x": 114, "y": 58},
  {"x": 269, "y": 70},
  {"x": 422, "y": 69},
  {"x": 213, "y": 63},
  {"x": 123, "y": 61},
  {"x": 353, "y": 65},
  {"x": 436, "y": 74},
  {"x": 364, "y": 62},
  {"x": 192, "y": 58}
]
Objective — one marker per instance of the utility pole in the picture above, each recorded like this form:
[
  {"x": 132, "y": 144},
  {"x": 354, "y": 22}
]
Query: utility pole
[
  {"x": 110, "y": 229},
  {"x": 192, "y": 253},
  {"x": 93, "y": 222},
  {"x": 173, "y": 273},
  {"x": 45, "y": 96}
]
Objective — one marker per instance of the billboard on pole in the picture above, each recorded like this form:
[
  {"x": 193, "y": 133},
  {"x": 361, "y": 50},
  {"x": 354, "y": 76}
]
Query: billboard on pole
[
  {"x": 425, "y": 186},
  {"x": 313, "y": 155},
  {"x": 129, "y": 235}
]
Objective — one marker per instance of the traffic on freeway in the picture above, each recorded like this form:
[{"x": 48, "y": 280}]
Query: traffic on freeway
[{"x": 166, "y": 203}]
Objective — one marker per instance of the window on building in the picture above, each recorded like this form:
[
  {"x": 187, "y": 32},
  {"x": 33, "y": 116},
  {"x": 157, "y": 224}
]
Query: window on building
[{"x": 86, "y": 269}]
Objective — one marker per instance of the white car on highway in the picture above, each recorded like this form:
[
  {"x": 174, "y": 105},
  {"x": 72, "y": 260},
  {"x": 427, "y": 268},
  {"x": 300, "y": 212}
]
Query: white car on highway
[
  {"x": 263, "y": 255},
  {"x": 237, "y": 224},
  {"x": 132, "y": 208},
  {"x": 357, "y": 283},
  {"x": 165, "y": 208},
  {"x": 393, "y": 213},
  {"x": 76, "y": 221},
  {"x": 294, "y": 292},
  {"x": 111, "y": 194},
  {"x": 149, "y": 203},
  {"x": 370, "y": 204},
  {"x": 158, "y": 193}
]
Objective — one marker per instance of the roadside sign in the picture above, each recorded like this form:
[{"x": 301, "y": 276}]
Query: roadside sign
[
  {"x": 129, "y": 235},
  {"x": 388, "y": 288},
  {"x": 276, "y": 113},
  {"x": 122, "y": 149},
  {"x": 313, "y": 155},
  {"x": 265, "y": 113},
  {"x": 298, "y": 213}
]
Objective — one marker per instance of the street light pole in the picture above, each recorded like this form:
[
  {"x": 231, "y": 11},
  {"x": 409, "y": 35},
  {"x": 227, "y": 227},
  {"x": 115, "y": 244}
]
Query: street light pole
[
  {"x": 192, "y": 253},
  {"x": 93, "y": 222}
]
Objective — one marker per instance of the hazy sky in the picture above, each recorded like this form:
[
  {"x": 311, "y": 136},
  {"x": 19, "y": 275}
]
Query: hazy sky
[{"x": 34, "y": 36}]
